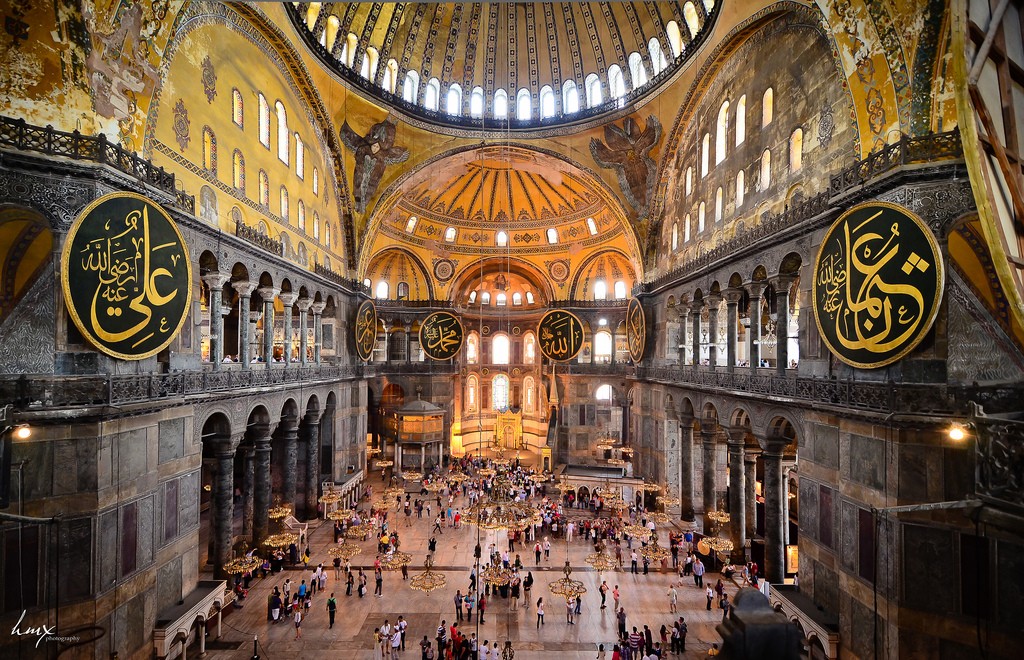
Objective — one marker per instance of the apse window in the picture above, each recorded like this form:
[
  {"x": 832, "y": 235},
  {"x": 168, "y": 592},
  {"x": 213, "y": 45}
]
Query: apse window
[
  {"x": 523, "y": 105},
  {"x": 236, "y": 107},
  {"x": 476, "y": 103},
  {"x": 410, "y": 224},
  {"x": 602, "y": 347},
  {"x": 620, "y": 290},
  {"x": 472, "y": 297},
  {"x": 453, "y": 105},
  {"x": 547, "y": 102},
  {"x": 499, "y": 387},
  {"x": 282, "y": 133},
  {"x": 603, "y": 393},
  {"x": 552, "y": 236},
  {"x": 600, "y": 290},
  {"x": 570, "y": 97},
  {"x": 592, "y": 226},
  {"x": 796, "y": 148},
  {"x": 485, "y": 298},
  {"x": 449, "y": 235},
  {"x": 501, "y": 300},
  {"x": 411, "y": 86},
  {"x": 500, "y": 104},
  {"x": 501, "y": 239},
  {"x": 500, "y": 349},
  {"x": 517, "y": 299},
  {"x": 529, "y": 297},
  {"x": 382, "y": 290}
]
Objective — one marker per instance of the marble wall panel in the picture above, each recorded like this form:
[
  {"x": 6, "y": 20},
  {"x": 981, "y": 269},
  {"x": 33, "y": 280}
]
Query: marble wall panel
[
  {"x": 172, "y": 439},
  {"x": 867, "y": 461},
  {"x": 825, "y": 450},
  {"x": 927, "y": 555},
  {"x": 168, "y": 583}
]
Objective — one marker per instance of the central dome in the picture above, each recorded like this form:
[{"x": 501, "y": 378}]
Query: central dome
[{"x": 518, "y": 65}]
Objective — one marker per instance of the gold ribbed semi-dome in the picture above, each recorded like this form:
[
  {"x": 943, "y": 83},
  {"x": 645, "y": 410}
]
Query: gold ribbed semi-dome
[{"x": 426, "y": 60}]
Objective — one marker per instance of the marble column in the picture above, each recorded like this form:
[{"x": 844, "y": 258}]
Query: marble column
[
  {"x": 695, "y": 334},
  {"x": 289, "y": 432},
  {"x": 261, "y": 485},
  {"x": 754, "y": 337},
  {"x": 247, "y": 490},
  {"x": 222, "y": 508},
  {"x": 684, "y": 312},
  {"x": 782, "y": 284},
  {"x": 244, "y": 290},
  {"x": 423, "y": 458},
  {"x": 318, "y": 330},
  {"x": 216, "y": 282},
  {"x": 774, "y": 544},
  {"x": 732, "y": 300},
  {"x": 737, "y": 510},
  {"x": 686, "y": 468},
  {"x": 713, "y": 301},
  {"x": 288, "y": 300},
  {"x": 709, "y": 438},
  {"x": 303, "y": 304},
  {"x": 310, "y": 432},
  {"x": 750, "y": 490},
  {"x": 408, "y": 343},
  {"x": 787, "y": 470},
  {"x": 267, "y": 293}
]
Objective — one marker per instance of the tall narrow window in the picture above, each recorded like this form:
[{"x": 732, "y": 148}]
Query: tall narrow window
[
  {"x": 300, "y": 158},
  {"x": 592, "y": 226},
  {"x": 692, "y": 22},
  {"x": 600, "y": 290},
  {"x": 741, "y": 120},
  {"x": 331, "y": 33},
  {"x": 603, "y": 393},
  {"x": 602, "y": 347},
  {"x": 718, "y": 204},
  {"x": 705, "y": 148},
  {"x": 722, "y": 134},
  {"x": 620, "y": 290},
  {"x": 766, "y": 169},
  {"x": 327, "y": 240},
  {"x": 411, "y": 87},
  {"x": 767, "y": 107},
  {"x": 739, "y": 189},
  {"x": 403, "y": 287},
  {"x": 552, "y": 235},
  {"x": 501, "y": 239},
  {"x": 453, "y": 104},
  {"x": 675, "y": 38},
  {"x": 209, "y": 151},
  {"x": 410, "y": 224},
  {"x": 351, "y": 45},
  {"x": 796, "y": 148},
  {"x": 236, "y": 108},
  {"x": 500, "y": 349},
  {"x": 264, "y": 189},
  {"x": 547, "y": 102},
  {"x": 529, "y": 297},
  {"x": 529, "y": 348},
  {"x": 264, "y": 122},
  {"x": 390, "y": 81},
  {"x": 675, "y": 236},
  {"x": 517, "y": 299},
  {"x": 485, "y": 298},
  {"x": 501, "y": 300},
  {"x": 637, "y": 72},
  {"x": 316, "y": 225},
  {"x": 382, "y": 290},
  {"x": 316, "y": 182},
  {"x": 658, "y": 61},
  {"x": 449, "y": 234},
  {"x": 528, "y": 394},
  {"x": 700, "y": 218},
  {"x": 570, "y": 97},
  {"x": 284, "y": 204},
  {"x": 238, "y": 171},
  {"x": 499, "y": 388},
  {"x": 593, "y": 86},
  {"x": 523, "y": 105},
  {"x": 472, "y": 347},
  {"x": 476, "y": 103},
  {"x": 300, "y": 215},
  {"x": 616, "y": 83},
  {"x": 471, "y": 395},
  {"x": 500, "y": 104},
  {"x": 689, "y": 181},
  {"x": 368, "y": 69},
  {"x": 282, "y": 132},
  {"x": 432, "y": 96},
  {"x": 686, "y": 229}
]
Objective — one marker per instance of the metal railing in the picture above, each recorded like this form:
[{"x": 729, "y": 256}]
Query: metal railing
[
  {"x": 906, "y": 151},
  {"x": 252, "y": 235}
]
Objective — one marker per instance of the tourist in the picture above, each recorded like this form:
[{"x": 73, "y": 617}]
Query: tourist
[
  {"x": 540, "y": 612},
  {"x": 332, "y": 609},
  {"x": 298, "y": 623},
  {"x": 698, "y": 572}
]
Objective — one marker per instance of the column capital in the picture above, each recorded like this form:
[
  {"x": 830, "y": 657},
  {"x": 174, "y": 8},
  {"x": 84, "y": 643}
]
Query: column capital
[
  {"x": 318, "y": 307},
  {"x": 709, "y": 435},
  {"x": 732, "y": 295},
  {"x": 773, "y": 446},
  {"x": 267, "y": 293},
  {"x": 223, "y": 446},
  {"x": 216, "y": 279},
  {"x": 244, "y": 287},
  {"x": 750, "y": 454},
  {"x": 782, "y": 282},
  {"x": 737, "y": 436},
  {"x": 304, "y": 304},
  {"x": 755, "y": 288},
  {"x": 713, "y": 299},
  {"x": 288, "y": 298},
  {"x": 311, "y": 417}
]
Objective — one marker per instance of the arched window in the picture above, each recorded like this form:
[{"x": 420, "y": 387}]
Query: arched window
[
  {"x": 472, "y": 346},
  {"x": 472, "y": 297},
  {"x": 471, "y": 392},
  {"x": 603, "y": 393},
  {"x": 722, "y": 133},
  {"x": 593, "y": 87},
  {"x": 602, "y": 347},
  {"x": 675, "y": 38},
  {"x": 264, "y": 122},
  {"x": 547, "y": 102},
  {"x": 238, "y": 171},
  {"x": 700, "y": 218},
  {"x": 529, "y": 297},
  {"x": 718, "y": 204},
  {"x": 367, "y": 283},
  {"x": 501, "y": 300},
  {"x": 476, "y": 103},
  {"x": 351, "y": 45},
  {"x": 410, "y": 224},
  {"x": 485, "y": 298},
  {"x": 570, "y": 97},
  {"x": 529, "y": 348},
  {"x": 390, "y": 81},
  {"x": 343, "y": 58},
  {"x": 552, "y": 235},
  {"x": 449, "y": 234},
  {"x": 620, "y": 290},
  {"x": 637, "y": 72},
  {"x": 616, "y": 83},
  {"x": 741, "y": 120},
  {"x": 282, "y": 133},
  {"x": 236, "y": 108},
  {"x": 766, "y": 169},
  {"x": 686, "y": 229},
  {"x": 501, "y": 239},
  {"x": 403, "y": 287},
  {"x": 312, "y": 13},
  {"x": 300, "y": 215},
  {"x": 523, "y": 103},
  {"x": 500, "y": 349},
  {"x": 382, "y": 290},
  {"x": 689, "y": 181},
  {"x": 501, "y": 104},
  {"x": 499, "y": 389},
  {"x": 592, "y": 226},
  {"x": 300, "y": 158},
  {"x": 796, "y": 148},
  {"x": 331, "y": 33},
  {"x": 368, "y": 69},
  {"x": 316, "y": 225},
  {"x": 517, "y": 299},
  {"x": 692, "y": 22},
  {"x": 316, "y": 182},
  {"x": 411, "y": 86},
  {"x": 600, "y": 290},
  {"x": 264, "y": 189},
  {"x": 327, "y": 241},
  {"x": 705, "y": 148},
  {"x": 739, "y": 189},
  {"x": 675, "y": 235},
  {"x": 658, "y": 61},
  {"x": 453, "y": 104},
  {"x": 767, "y": 107},
  {"x": 284, "y": 204},
  {"x": 529, "y": 389},
  {"x": 432, "y": 97},
  {"x": 209, "y": 151}
]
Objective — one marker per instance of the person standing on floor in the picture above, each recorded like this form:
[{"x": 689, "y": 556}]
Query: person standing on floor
[
  {"x": 540, "y": 611},
  {"x": 621, "y": 617},
  {"x": 710, "y": 593},
  {"x": 698, "y": 572},
  {"x": 378, "y": 577},
  {"x": 298, "y": 622},
  {"x": 458, "y": 604},
  {"x": 673, "y": 596},
  {"x": 603, "y": 589},
  {"x": 615, "y": 597},
  {"x": 332, "y": 609}
]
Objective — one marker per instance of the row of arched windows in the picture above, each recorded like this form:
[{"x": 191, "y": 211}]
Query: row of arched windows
[
  {"x": 501, "y": 398},
  {"x": 501, "y": 237}
]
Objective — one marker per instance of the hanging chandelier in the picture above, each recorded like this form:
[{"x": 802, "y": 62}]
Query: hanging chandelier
[
  {"x": 435, "y": 486},
  {"x": 637, "y": 531},
  {"x": 616, "y": 461},
  {"x": 383, "y": 464},
  {"x": 279, "y": 512},
  {"x": 658, "y": 518},
  {"x": 245, "y": 564},
  {"x": 653, "y": 552},
  {"x": 341, "y": 514},
  {"x": 395, "y": 560},
  {"x": 330, "y": 497},
  {"x": 345, "y": 551},
  {"x": 359, "y": 531},
  {"x": 649, "y": 487},
  {"x": 566, "y": 586},
  {"x": 280, "y": 540},
  {"x": 410, "y": 475},
  {"x": 600, "y": 561},
  {"x": 668, "y": 500},
  {"x": 428, "y": 580},
  {"x": 496, "y": 575},
  {"x": 718, "y": 517}
]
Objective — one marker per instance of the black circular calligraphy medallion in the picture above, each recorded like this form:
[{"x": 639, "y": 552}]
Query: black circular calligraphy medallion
[
  {"x": 561, "y": 335},
  {"x": 878, "y": 282},
  {"x": 636, "y": 329},
  {"x": 366, "y": 330},
  {"x": 441, "y": 336},
  {"x": 127, "y": 276}
]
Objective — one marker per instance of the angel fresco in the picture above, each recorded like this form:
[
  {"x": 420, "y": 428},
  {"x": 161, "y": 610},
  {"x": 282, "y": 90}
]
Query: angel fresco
[
  {"x": 628, "y": 152},
  {"x": 374, "y": 153}
]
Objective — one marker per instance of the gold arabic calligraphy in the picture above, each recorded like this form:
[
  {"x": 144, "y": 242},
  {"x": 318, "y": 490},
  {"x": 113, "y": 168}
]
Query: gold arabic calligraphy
[
  {"x": 636, "y": 335},
  {"x": 561, "y": 335},
  {"x": 441, "y": 335},
  {"x": 366, "y": 329}
]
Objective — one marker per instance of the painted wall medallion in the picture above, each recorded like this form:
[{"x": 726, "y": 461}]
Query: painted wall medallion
[
  {"x": 878, "y": 282},
  {"x": 561, "y": 335},
  {"x": 441, "y": 336},
  {"x": 444, "y": 269},
  {"x": 636, "y": 329},
  {"x": 366, "y": 330},
  {"x": 127, "y": 276}
]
